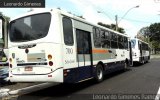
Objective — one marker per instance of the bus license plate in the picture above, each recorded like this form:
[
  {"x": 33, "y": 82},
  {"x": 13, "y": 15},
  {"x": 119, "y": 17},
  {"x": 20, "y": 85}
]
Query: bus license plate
[{"x": 28, "y": 68}]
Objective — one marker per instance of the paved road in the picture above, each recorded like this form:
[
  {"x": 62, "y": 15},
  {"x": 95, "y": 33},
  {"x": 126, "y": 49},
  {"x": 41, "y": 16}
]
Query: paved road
[{"x": 136, "y": 83}]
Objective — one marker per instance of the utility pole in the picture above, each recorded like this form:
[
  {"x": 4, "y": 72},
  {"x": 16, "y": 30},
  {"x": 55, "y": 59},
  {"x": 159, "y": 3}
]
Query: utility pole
[
  {"x": 116, "y": 16},
  {"x": 116, "y": 19}
]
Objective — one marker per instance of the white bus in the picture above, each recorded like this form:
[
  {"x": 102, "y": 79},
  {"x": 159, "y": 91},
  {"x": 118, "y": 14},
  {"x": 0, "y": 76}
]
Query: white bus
[
  {"x": 140, "y": 51},
  {"x": 55, "y": 46}
]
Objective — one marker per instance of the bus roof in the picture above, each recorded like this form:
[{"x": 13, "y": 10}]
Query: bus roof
[{"x": 65, "y": 13}]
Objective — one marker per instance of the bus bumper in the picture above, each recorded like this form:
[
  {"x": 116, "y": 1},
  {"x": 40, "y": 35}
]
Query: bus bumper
[{"x": 55, "y": 76}]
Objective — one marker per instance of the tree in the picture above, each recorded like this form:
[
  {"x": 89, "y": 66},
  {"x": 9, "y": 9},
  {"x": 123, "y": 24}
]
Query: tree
[
  {"x": 151, "y": 34},
  {"x": 144, "y": 34},
  {"x": 155, "y": 32},
  {"x": 112, "y": 26},
  {"x": 145, "y": 31}
]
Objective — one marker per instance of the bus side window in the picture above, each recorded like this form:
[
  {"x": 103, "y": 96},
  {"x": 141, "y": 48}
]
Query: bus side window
[
  {"x": 120, "y": 42},
  {"x": 125, "y": 43},
  {"x": 96, "y": 38},
  {"x": 106, "y": 40},
  {"x": 114, "y": 43},
  {"x": 68, "y": 31},
  {"x": 139, "y": 45}
]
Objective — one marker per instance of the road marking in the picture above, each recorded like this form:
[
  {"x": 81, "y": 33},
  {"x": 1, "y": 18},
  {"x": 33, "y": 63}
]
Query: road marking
[{"x": 158, "y": 95}]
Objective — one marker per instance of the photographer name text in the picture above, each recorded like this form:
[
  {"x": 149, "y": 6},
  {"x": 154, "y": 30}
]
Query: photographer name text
[{"x": 20, "y": 4}]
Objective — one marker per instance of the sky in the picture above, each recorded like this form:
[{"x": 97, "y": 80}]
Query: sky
[{"x": 130, "y": 18}]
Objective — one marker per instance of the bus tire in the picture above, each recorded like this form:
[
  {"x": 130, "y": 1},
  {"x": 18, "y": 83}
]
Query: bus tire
[
  {"x": 147, "y": 59},
  {"x": 142, "y": 62},
  {"x": 99, "y": 73},
  {"x": 125, "y": 66}
]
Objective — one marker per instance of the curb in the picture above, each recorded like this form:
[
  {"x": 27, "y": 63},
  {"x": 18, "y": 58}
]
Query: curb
[
  {"x": 155, "y": 56},
  {"x": 6, "y": 92}
]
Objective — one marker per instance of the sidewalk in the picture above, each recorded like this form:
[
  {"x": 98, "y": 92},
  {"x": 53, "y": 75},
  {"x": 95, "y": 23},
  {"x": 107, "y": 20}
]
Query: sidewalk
[{"x": 155, "y": 56}]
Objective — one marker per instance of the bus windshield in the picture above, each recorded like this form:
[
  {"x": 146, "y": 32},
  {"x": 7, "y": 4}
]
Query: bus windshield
[
  {"x": 29, "y": 28},
  {"x": 133, "y": 43}
]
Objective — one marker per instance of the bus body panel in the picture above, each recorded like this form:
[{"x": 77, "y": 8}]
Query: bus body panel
[
  {"x": 37, "y": 57},
  {"x": 54, "y": 76},
  {"x": 30, "y": 60},
  {"x": 36, "y": 61},
  {"x": 140, "y": 53},
  {"x": 82, "y": 68}
]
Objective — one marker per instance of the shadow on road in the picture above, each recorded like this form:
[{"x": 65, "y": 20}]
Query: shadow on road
[
  {"x": 64, "y": 91},
  {"x": 6, "y": 84},
  {"x": 136, "y": 64}
]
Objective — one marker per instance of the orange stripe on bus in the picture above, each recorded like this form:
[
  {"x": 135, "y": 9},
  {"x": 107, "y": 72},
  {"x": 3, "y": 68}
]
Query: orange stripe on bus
[{"x": 99, "y": 51}]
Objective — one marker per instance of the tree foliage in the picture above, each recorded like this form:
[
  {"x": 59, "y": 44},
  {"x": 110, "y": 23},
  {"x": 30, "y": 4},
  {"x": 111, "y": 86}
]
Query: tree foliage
[
  {"x": 145, "y": 31},
  {"x": 152, "y": 32},
  {"x": 155, "y": 32},
  {"x": 112, "y": 26},
  {"x": 151, "y": 35}
]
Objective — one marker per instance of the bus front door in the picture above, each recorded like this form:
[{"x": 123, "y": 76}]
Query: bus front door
[
  {"x": 130, "y": 54},
  {"x": 140, "y": 48}
]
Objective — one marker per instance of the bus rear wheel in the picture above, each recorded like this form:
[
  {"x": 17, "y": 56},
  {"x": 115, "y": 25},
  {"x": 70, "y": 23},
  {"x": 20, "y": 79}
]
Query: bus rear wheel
[
  {"x": 142, "y": 62},
  {"x": 99, "y": 73},
  {"x": 125, "y": 66}
]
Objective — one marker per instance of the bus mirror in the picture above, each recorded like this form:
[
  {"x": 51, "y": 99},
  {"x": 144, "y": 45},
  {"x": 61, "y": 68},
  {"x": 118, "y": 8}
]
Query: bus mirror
[{"x": 109, "y": 51}]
